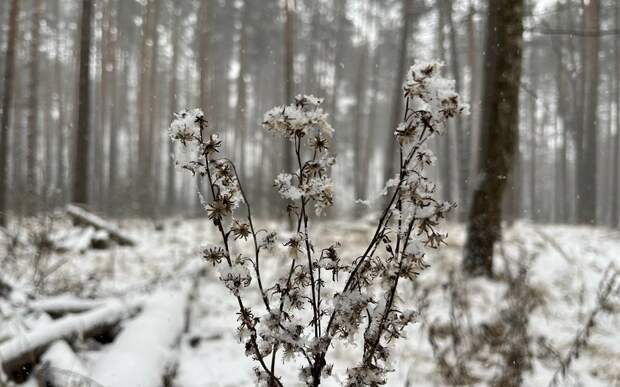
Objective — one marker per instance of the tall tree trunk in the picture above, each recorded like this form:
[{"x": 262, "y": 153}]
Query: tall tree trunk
[
  {"x": 241, "y": 121},
  {"x": 203, "y": 69},
  {"x": 359, "y": 134},
  {"x": 146, "y": 94},
  {"x": 500, "y": 121},
  {"x": 615, "y": 192},
  {"x": 463, "y": 137},
  {"x": 341, "y": 20},
  {"x": 171, "y": 181},
  {"x": 446, "y": 165},
  {"x": 534, "y": 165},
  {"x": 114, "y": 111},
  {"x": 474, "y": 86},
  {"x": 395, "y": 116},
  {"x": 60, "y": 164},
  {"x": 33, "y": 112},
  {"x": 289, "y": 71},
  {"x": 7, "y": 101},
  {"x": 586, "y": 188},
  {"x": 81, "y": 166}
]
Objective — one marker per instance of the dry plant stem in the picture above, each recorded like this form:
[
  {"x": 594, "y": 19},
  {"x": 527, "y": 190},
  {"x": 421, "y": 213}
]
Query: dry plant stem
[
  {"x": 608, "y": 287},
  {"x": 302, "y": 220},
  {"x": 242, "y": 309},
  {"x": 256, "y": 262}
]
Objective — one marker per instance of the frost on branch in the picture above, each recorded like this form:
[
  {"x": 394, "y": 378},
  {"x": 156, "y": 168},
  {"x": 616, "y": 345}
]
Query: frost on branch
[{"x": 302, "y": 314}]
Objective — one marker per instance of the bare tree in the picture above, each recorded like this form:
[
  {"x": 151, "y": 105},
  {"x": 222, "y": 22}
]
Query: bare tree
[
  {"x": 289, "y": 69},
  {"x": 33, "y": 108},
  {"x": 586, "y": 187},
  {"x": 615, "y": 191},
  {"x": 499, "y": 126},
  {"x": 7, "y": 97},
  {"x": 83, "y": 139},
  {"x": 389, "y": 166}
]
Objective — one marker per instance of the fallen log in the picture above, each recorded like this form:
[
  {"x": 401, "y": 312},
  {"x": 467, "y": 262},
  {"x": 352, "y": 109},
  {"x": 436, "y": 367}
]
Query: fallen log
[
  {"x": 142, "y": 354},
  {"x": 21, "y": 352},
  {"x": 81, "y": 216},
  {"x": 60, "y": 306},
  {"x": 61, "y": 367}
]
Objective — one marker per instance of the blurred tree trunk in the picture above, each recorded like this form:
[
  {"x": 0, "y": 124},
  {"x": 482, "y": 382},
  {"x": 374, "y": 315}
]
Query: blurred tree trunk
[
  {"x": 203, "y": 70},
  {"x": 81, "y": 166},
  {"x": 561, "y": 199},
  {"x": 587, "y": 182},
  {"x": 339, "y": 54},
  {"x": 241, "y": 121},
  {"x": 7, "y": 102},
  {"x": 615, "y": 191},
  {"x": 115, "y": 121},
  {"x": 389, "y": 166},
  {"x": 154, "y": 110},
  {"x": 500, "y": 119},
  {"x": 171, "y": 176},
  {"x": 474, "y": 88},
  {"x": 289, "y": 81},
  {"x": 289, "y": 72},
  {"x": 446, "y": 165},
  {"x": 146, "y": 94},
  {"x": 463, "y": 136},
  {"x": 310, "y": 73},
  {"x": 33, "y": 111},
  {"x": 533, "y": 125},
  {"x": 360, "y": 135}
]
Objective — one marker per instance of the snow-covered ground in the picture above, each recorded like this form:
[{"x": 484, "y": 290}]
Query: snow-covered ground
[{"x": 567, "y": 265}]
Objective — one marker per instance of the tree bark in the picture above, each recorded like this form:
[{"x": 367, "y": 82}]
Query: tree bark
[
  {"x": 33, "y": 111},
  {"x": 499, "y": 127},
  {"x": 463, "y": 137},
  {"x": 389, "y": 166},
  {"x": 7, "y": 101},
  {"x": 586, "y": 188},
  {"x": 289, "y": 72},
  {"x": 615, "y": 193},
  {"x": 171, "y": 181},
  {"x": 81, "y": 166}
]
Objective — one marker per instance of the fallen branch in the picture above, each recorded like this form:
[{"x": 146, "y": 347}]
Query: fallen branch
[
  {"x": 61, "y": 305},
  {"x": 142, "y": 353},
  {"x": 82, "y": 216},
  {"x": 61, "y": 367},
  {"x": 21, "y": 351}
]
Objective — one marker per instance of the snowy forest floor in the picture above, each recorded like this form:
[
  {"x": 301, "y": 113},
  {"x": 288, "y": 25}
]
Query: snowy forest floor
[{"x": 567, "y": 264}]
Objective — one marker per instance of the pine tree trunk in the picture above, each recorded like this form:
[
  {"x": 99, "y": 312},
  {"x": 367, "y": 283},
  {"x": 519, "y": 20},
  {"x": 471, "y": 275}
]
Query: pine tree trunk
[
  {"x": 463, "y": 137},
  {"x": 500, "y": 119},
  {"x": 615, "y": 191},
  {"x": 7, "y": 101},
  {"x": 171, "y": 176},
  {"x": 33, "y": 112},
  {"x": 359, "y": 134},
  {"x": 389, "y": 166},
  {"x": 289, "y": 73},
  {"x": 81, "y": 166},
  {"x": 241, "y": 114},
  {"x": 586, "y": 188}
]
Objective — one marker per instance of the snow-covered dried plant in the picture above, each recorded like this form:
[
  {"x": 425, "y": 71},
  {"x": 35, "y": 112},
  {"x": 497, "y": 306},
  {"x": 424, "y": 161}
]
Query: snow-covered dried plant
[{"x": 367, "y": 297}]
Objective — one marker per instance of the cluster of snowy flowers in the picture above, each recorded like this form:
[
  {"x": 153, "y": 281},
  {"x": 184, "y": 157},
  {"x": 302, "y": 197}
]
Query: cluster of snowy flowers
[
  {"x": 302, "y": 315},
  {"x": 311, "y": 182},
  {"x": 432, "y": 101},
  {"x": 303, "y": 118}
]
